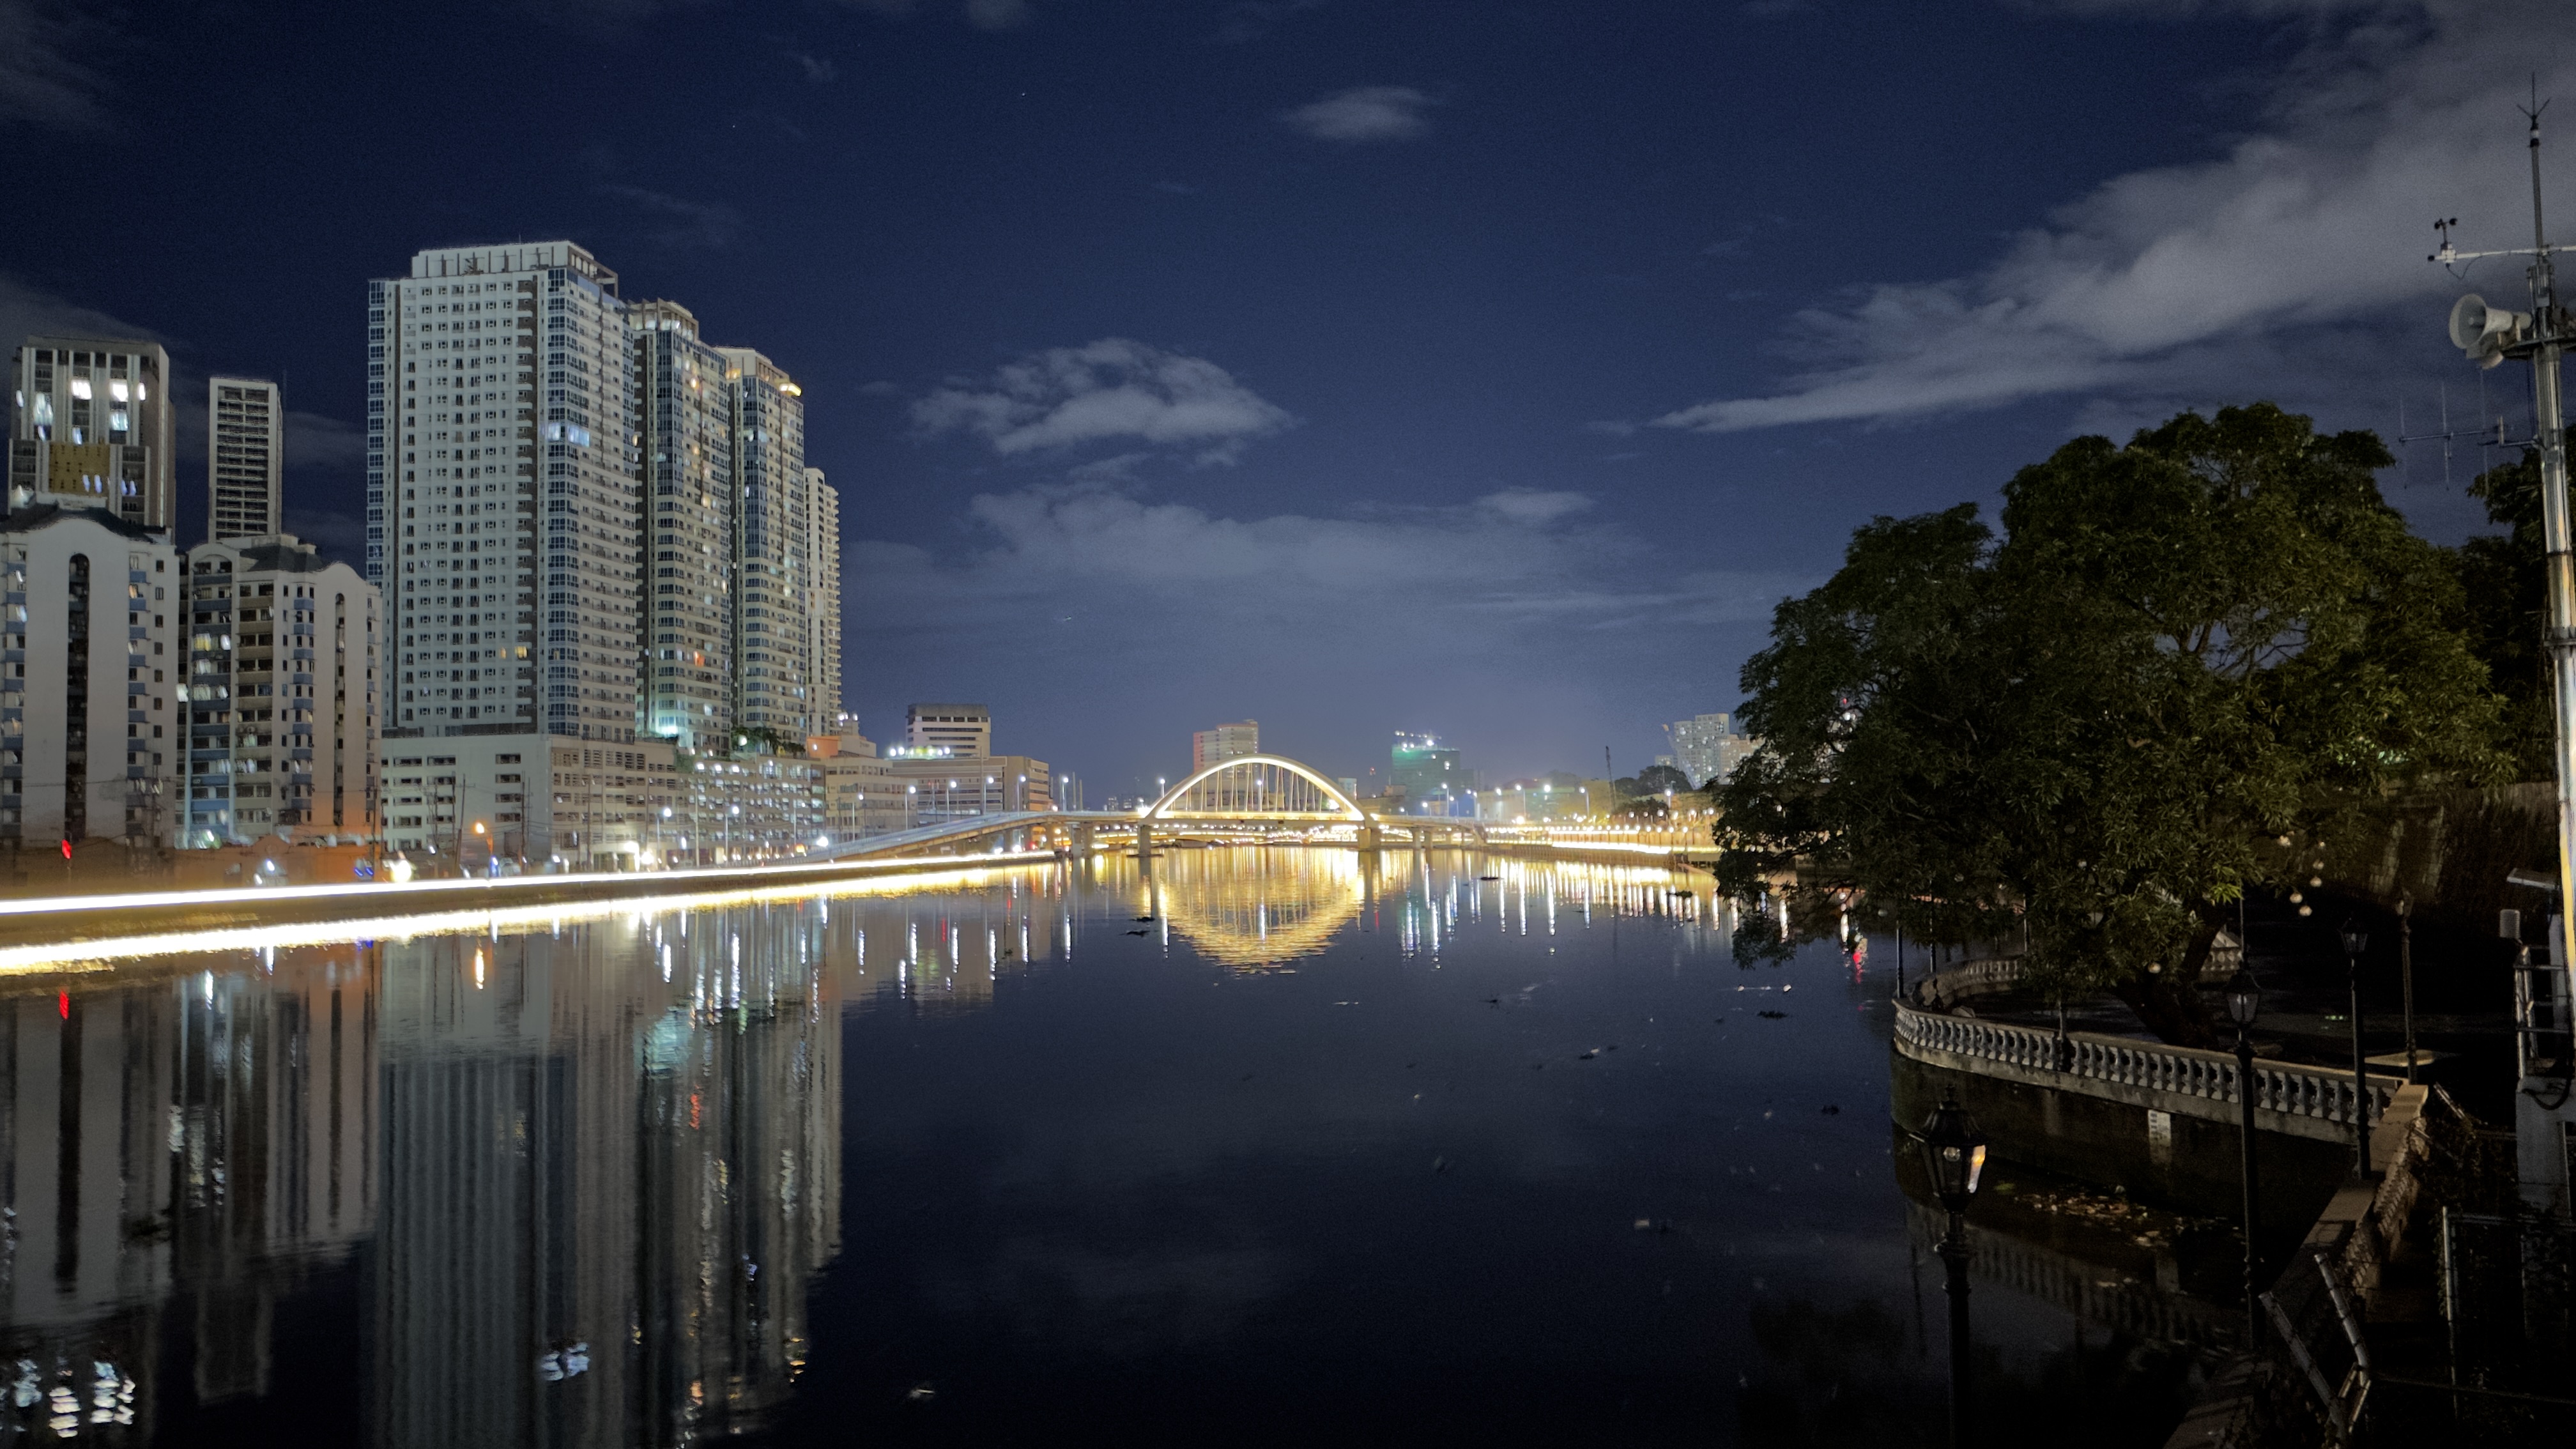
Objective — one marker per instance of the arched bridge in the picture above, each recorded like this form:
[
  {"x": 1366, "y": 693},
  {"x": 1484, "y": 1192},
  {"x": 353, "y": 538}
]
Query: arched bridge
[{"x": 1267, "y": 795}]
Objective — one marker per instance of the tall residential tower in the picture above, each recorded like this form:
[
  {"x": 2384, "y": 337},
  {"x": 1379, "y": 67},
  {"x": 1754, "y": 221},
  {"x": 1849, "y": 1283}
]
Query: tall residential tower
[
  {"x": 245, "y": 456},
  {"x": 685, "y": 402},
  {"x": 505, "y": 531},
  {"x": 774, "y": 578}
]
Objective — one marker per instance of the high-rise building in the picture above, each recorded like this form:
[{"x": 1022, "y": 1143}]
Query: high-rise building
[
  {"x": 774, "y": 576},
  {"x": 946, "y": 731},
  {"x": 85, "y": 722},
  {"x": 1429, "y": 774},
  {"x": 942, "y": 788},
  {"x": 1707, "y": 748},
  {"x": 245, "y": 456},
  {"x": 90, "y": 427},
  {"x": 281, "y": 695},
  {"x": 823, "y": 614},
  {"x": 685, "y": 404},
  {"x": 1225, "y": 742},
  {"x": 506, "y": 534}
]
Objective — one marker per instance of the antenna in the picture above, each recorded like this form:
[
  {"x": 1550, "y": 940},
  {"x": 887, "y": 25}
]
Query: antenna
[{"x": 2490, "y": 335}]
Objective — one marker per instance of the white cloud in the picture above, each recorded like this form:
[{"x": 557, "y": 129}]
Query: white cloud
[
  {"x": 1532, "y": 505},
  {"x": 40, "y": 82},
  {"x": 997, "y": 14},
  {"x": 1112, "y": 389},
  {"x": 2193, "y": 274},
  {"x": 982, "y": 14},
  {"x": 680, "y": 223},
  {"x": 1475, "y": 578},
  {"x": 25, "y": 308},
  {"x": 1364, "y": 113},
  {"x": 315, "y": 441}
]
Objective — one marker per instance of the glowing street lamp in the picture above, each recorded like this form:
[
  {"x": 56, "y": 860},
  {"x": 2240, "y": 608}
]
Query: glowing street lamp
[{"x": 1954, "y": 1156}]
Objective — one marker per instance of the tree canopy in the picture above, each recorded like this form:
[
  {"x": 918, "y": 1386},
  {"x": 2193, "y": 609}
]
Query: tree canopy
[{"x": 2179, "y": 660}]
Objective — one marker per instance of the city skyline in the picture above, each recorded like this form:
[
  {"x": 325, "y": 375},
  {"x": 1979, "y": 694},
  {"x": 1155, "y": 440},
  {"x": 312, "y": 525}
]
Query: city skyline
[{"x": 1401, "y": 362}]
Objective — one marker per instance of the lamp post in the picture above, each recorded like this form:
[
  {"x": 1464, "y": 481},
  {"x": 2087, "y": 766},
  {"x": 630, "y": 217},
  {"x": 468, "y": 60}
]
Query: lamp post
[
  {"x": 2406, "y": 975},
  {"x": 1954, "y": 1155},
  {"x": 2356, "y": 939},
  {"x": 2244, "y": 1003}
]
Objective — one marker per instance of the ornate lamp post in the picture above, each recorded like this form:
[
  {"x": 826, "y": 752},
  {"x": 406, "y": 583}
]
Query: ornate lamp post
[
  {"x": 2244, "y": 1003},
  {"x": 2356, "y": 939},
  {"x": 1954, "y": 1155}
]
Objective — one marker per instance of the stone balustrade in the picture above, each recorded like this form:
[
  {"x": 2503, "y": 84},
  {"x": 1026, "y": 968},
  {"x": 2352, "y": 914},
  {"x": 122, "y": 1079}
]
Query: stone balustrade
[{"x": 2304, "y": 1101}]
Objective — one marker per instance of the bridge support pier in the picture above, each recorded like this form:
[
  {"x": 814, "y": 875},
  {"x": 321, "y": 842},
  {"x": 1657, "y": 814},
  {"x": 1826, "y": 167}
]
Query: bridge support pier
[
  {"x": 1369, "y": 837},
  {"x": 1082, "y": 839},
  {"x": 1144, "y": 841}
]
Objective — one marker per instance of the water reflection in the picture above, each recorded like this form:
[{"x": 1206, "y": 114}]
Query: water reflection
[{"x": 581, "y": 1181}]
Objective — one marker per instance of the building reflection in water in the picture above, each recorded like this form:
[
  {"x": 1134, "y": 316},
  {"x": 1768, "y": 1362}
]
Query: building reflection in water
[
  {"x": 587, "y": 1174},
  {"x": 208, "y": 1136},
  {"x": 612, "y": 1167}
]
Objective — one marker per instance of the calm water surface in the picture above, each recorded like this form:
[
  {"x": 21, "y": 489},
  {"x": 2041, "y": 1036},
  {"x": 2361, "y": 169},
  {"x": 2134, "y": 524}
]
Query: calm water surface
[{"x": 1383, "y": 1149}]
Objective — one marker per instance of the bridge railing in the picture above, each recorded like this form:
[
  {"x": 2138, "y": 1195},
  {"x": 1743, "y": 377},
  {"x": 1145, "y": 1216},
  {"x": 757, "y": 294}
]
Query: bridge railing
[{"x": 2306, "y": 1100}]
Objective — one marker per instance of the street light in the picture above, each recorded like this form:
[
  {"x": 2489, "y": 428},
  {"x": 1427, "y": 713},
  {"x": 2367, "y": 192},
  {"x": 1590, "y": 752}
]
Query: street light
[
  {"x": 2244, "y": 1003},
  {"x": 2356, "y": 939},
  {"x": 1954, "y": 1156}
]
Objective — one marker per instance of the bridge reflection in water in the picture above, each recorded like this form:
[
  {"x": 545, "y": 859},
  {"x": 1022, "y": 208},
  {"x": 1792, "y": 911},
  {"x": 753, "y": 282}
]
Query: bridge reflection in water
[{"x": 577, "y": 1176}]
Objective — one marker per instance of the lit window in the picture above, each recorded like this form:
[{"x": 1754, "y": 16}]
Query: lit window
[{"x": 80, "y": 387}]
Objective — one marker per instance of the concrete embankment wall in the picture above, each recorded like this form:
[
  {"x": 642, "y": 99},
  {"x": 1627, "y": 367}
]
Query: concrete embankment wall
[{"x": 2185, "y": 1163}]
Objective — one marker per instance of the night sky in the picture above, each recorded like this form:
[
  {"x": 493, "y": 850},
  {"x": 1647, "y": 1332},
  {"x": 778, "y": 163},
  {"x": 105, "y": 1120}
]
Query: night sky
[{"x": 1354, "y": 365}]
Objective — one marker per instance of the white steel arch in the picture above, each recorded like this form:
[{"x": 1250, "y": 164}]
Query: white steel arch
[{"x": 1169, "y": 807}]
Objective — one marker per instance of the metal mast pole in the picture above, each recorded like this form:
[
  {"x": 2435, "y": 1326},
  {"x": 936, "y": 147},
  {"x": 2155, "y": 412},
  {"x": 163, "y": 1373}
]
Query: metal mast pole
[{"x": 2549, "y": 438}]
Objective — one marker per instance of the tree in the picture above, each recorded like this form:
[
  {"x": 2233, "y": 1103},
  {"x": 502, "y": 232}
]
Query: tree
[
  {"x": 1657, "y": 779},
  {"x": 2505, "y": 592},
  {"x": 2101, "y": 726}
]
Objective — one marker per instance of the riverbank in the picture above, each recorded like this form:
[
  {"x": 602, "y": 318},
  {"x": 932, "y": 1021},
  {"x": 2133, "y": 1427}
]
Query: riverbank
[{"x": 79, "y": 932}]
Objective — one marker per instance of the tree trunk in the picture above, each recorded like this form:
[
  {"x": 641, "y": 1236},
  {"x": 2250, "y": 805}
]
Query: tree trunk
[{"x": 2169, "y": 1002}]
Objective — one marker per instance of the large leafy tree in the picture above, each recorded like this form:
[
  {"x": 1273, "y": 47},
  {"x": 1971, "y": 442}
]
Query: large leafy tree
[
  {"x": 2505, "y": 589},
  {"x": 2099, "y": 726}
]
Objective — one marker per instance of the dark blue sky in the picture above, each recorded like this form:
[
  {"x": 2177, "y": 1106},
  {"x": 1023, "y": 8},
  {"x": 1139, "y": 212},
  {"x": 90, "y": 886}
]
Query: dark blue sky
[{"x": 1473, "y": 367}]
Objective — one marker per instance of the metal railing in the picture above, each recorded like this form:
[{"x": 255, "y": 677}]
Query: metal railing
[{"x": 2318, "y": 1094}]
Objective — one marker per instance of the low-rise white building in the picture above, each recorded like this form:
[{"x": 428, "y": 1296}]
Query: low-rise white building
[
  {"x": 87, "y": 669},
  {"x": 283, "y": 695},
  {"x": 528, "y": 801}
]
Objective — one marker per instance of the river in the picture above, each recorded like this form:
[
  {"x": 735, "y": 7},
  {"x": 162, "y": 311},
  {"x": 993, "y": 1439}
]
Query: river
[{"x": 1279, "y": 1144}]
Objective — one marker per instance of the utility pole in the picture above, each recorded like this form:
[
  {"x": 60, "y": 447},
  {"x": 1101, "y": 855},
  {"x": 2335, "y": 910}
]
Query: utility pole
[{"x": 2489, "y": 335}]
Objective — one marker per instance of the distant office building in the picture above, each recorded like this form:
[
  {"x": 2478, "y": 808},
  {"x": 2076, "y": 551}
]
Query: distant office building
[
  {"x": 1707, "y": 748},
  {"x": 861, "y": 794},
  {"x": 1558, "y": 796},
  {"x": 88, "y": 746},
  {"x": 1225, "y": 742},
  {"x": 90, "y": 427},
  {"x": 281, "y": 695},
  {"x": 545, "y": 802},
  {"x": 686, "y": 406},
  {"x": 1429, "y": 775},
  {"x": 941, "y": 788},
  {"x": 1732, "y": 752},
  {"x": 823, "y": 607},
  {"x": 774, "y": 578},
  {"x": 245, "y": 458},
  {"x": 505, "y": 533},
  {"x": 962, "y": 730},
  {"x": 753, "y": 805}
]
